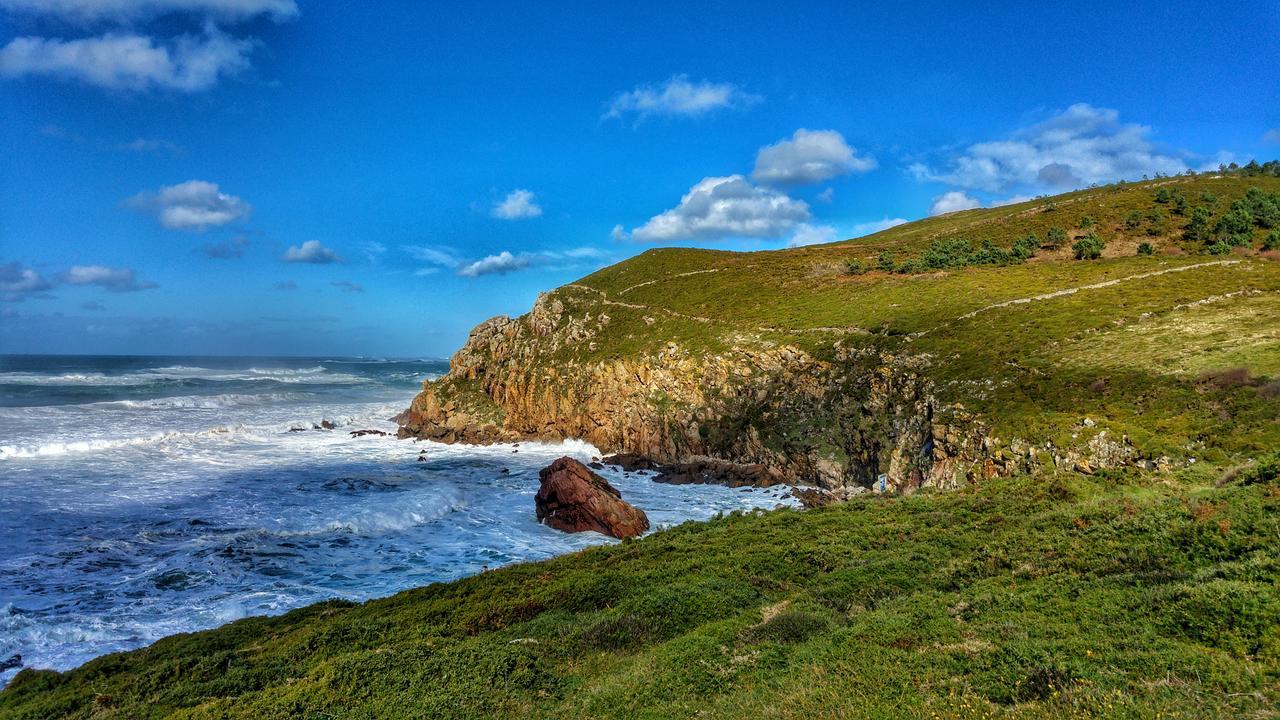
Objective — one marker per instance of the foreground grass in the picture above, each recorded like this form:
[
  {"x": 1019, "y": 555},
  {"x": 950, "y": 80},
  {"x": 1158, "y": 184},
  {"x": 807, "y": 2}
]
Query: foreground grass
[{"x": 1120, "y": 596}]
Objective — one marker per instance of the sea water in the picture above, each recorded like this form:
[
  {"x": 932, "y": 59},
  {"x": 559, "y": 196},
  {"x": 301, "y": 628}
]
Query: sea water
[{"x": 146, "y": 496}]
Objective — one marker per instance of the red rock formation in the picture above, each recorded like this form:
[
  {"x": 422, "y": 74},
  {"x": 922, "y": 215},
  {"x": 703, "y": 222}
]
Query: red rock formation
[{"x": 574, "y": 499}]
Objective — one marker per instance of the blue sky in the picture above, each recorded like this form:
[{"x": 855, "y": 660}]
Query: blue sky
[{"x": 265, "y": 177}]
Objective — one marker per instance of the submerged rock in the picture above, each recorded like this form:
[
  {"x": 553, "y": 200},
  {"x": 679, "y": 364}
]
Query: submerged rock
[
  {"x": 573, "y": 499},
  {"x": 14, "y": 661},
  {"x": 362, "y": 433}
]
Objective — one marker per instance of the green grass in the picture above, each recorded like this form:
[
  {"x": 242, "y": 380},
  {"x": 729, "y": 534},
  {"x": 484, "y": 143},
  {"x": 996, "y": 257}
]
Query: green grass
[
  {"x": 1122, "y": 594},
  {"x": 1115, "y": 596}
]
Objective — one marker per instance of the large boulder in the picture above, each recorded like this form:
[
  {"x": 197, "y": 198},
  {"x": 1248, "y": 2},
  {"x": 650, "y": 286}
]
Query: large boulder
[{"x": 573, "y": 499}]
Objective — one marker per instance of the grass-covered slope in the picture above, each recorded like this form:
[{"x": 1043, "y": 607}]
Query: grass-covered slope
[
  {"x": 1114, "y": 596},
  {"x": 1147, "y": 591}
]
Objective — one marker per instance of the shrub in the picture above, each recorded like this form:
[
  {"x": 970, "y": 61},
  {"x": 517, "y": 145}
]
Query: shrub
[
  {"x": 789, "y": 626},
  {"x": 1054, "y": 238},
  {"x": 885, "y": 261},
  {"x": 1086, "y": 222},
  {"x": 1180, "y": 205},
  {"x": 1025, "y": 247},
  {"x": 1219, "y": 248},
  {"x": 1272, "y": 241},
  {"x": 988, "y": 254},
  {"x": 1197, "y": 229},
  {"x": 1209, "y": 199},
  {"x": 1162, "y": 195},
  {"x": 948, "y": 253},
  {"x": 1236, "y": 222},
  {"x": 1133, "y": 220},
  {"x": 1146, "y": 249},
  {"x": 854, "y": 266},
  {"x": 1088, "y": 247},
  {"x": 1226, "y": 378}
]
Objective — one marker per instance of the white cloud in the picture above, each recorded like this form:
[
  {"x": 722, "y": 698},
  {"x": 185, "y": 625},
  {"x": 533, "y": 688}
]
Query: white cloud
[
  {"x": 826, "y": 196},
  {"x": 807, "y": 234},
  {"x": 517, "y": 205},
  {"x": 1080, "y": 146},
  {"x": 619, "y": 233},
  {"x": 810, "y": 156},
  {"x": 129, "y": 62},
  {"x": 18, "y": 282},
  {"x": 875, "y": 226},
  {"x": 311, "y": 252},
  {"x": 500, "y": 264},
  {"x": 121, "y": 10},
  {"x": 151, "y": 145},
  {"x": 1011, "y": 200},
  {"x": 677, "y": 97},
  {"x": 110, "y": 279},
  {"x": 1271, "y": 136},
  {"x": 720, "y": 207},
  {"x": 953, "y": 201},
  {"x": 192, "y": 205}
]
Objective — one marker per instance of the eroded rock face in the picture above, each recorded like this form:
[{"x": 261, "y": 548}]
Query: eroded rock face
[
  {"x": 837, "y": 421},
  {"x": 574, "y": 499}
]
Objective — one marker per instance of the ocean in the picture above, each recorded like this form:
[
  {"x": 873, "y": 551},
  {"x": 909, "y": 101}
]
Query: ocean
[{"x": 146, "y": 496}]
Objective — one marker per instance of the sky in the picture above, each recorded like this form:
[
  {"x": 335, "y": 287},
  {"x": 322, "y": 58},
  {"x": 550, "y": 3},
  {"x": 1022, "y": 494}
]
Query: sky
[{"x": 281, "y": 177}]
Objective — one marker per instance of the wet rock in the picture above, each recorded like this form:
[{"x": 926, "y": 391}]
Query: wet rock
[
  {"x": 716, "y": 472},
  {"x": 362, "y": 433},
  {"x": 630, "y": 462},
  {"x": 327, "y": 425},
  {"x": 13, "y": 661},
  {"x": 422, "y": 458},
  {"x": 574, "y": 499}
]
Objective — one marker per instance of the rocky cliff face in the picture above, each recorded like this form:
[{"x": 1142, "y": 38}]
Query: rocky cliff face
[{"x": 836, "y": 422}]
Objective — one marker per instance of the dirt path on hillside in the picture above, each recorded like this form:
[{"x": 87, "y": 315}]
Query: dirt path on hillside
[{"x": 1074, "y": 290}]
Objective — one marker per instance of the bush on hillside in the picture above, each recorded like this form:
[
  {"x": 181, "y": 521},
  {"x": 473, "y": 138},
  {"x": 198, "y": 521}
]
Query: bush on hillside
[
  {"x": 1054, "y": 238},
  {"x": 1272, "y": 241},
  {"x": 1088, "y": 247},
  {"x": 1146, "y": 249},
  {"x": 1197, "y": 229}
]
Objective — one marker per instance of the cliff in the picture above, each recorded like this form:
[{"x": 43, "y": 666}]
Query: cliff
[{"x": 948, "y": 366}]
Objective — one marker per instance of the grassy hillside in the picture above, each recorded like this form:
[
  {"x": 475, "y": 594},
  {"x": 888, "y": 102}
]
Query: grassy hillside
[
  {"x": 1109, "y": 597},
  {"x": 1148, "y": 591}
]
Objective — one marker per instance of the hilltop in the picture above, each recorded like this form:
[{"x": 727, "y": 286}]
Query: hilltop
[
  {"x": 1075, "y": 401},
  {"x": 960, "y": 346}
]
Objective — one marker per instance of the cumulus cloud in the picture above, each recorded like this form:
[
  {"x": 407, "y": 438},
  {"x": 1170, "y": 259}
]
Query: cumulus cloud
[
  {"x": 500, "y": 264},
  {"x": 1079, "y": 146},
  {"x": 311, "y": 252},
  {"x": 187, "y": 63},
  {"x": 128, "y": 10},
  {"x": 721, "y": 207},
  {"x": 107, "y": 278},
  {"x": 19, "y": 282},
  {"x": 875, "y": 226},
  {"x": 192, "y": 205},
  {"x": 126, "y": 59},
  {"x": 953, "y": 201},
  {"x": 678, "y": 97},
  {"x": 809, "y": 156},
  {"x": 518, "y": 204},
  {"x": 347, "y": 286},
  {"x": 807, "y": 234}
]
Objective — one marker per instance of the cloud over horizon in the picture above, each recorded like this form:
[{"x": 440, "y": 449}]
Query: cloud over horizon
[
  {"x": 953, "y": 201},
  {"x": 1077, "y": 147},
  {"x": 678, "y": 97},
  {"x": 721, "y": 207},
  {"x": 111, "y": 279},
  {"x": 19, "y": 282},
  {"x": 809, "y": 156}
]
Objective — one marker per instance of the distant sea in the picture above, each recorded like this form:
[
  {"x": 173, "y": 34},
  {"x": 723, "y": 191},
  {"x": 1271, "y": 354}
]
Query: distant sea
[{"x": 146, "y": 496}]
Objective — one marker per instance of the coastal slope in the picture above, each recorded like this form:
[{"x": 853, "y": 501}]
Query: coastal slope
[{"x": 974, "y": 344}]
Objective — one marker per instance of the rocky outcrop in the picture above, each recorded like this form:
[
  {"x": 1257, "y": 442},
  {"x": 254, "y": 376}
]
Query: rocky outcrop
[
  {"x": 574, "y": 499},
  {"x": 837, "y": 418}
]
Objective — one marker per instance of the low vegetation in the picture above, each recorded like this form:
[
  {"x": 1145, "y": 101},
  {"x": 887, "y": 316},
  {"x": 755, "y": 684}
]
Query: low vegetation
[{"x": 1147, "y": 311}]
